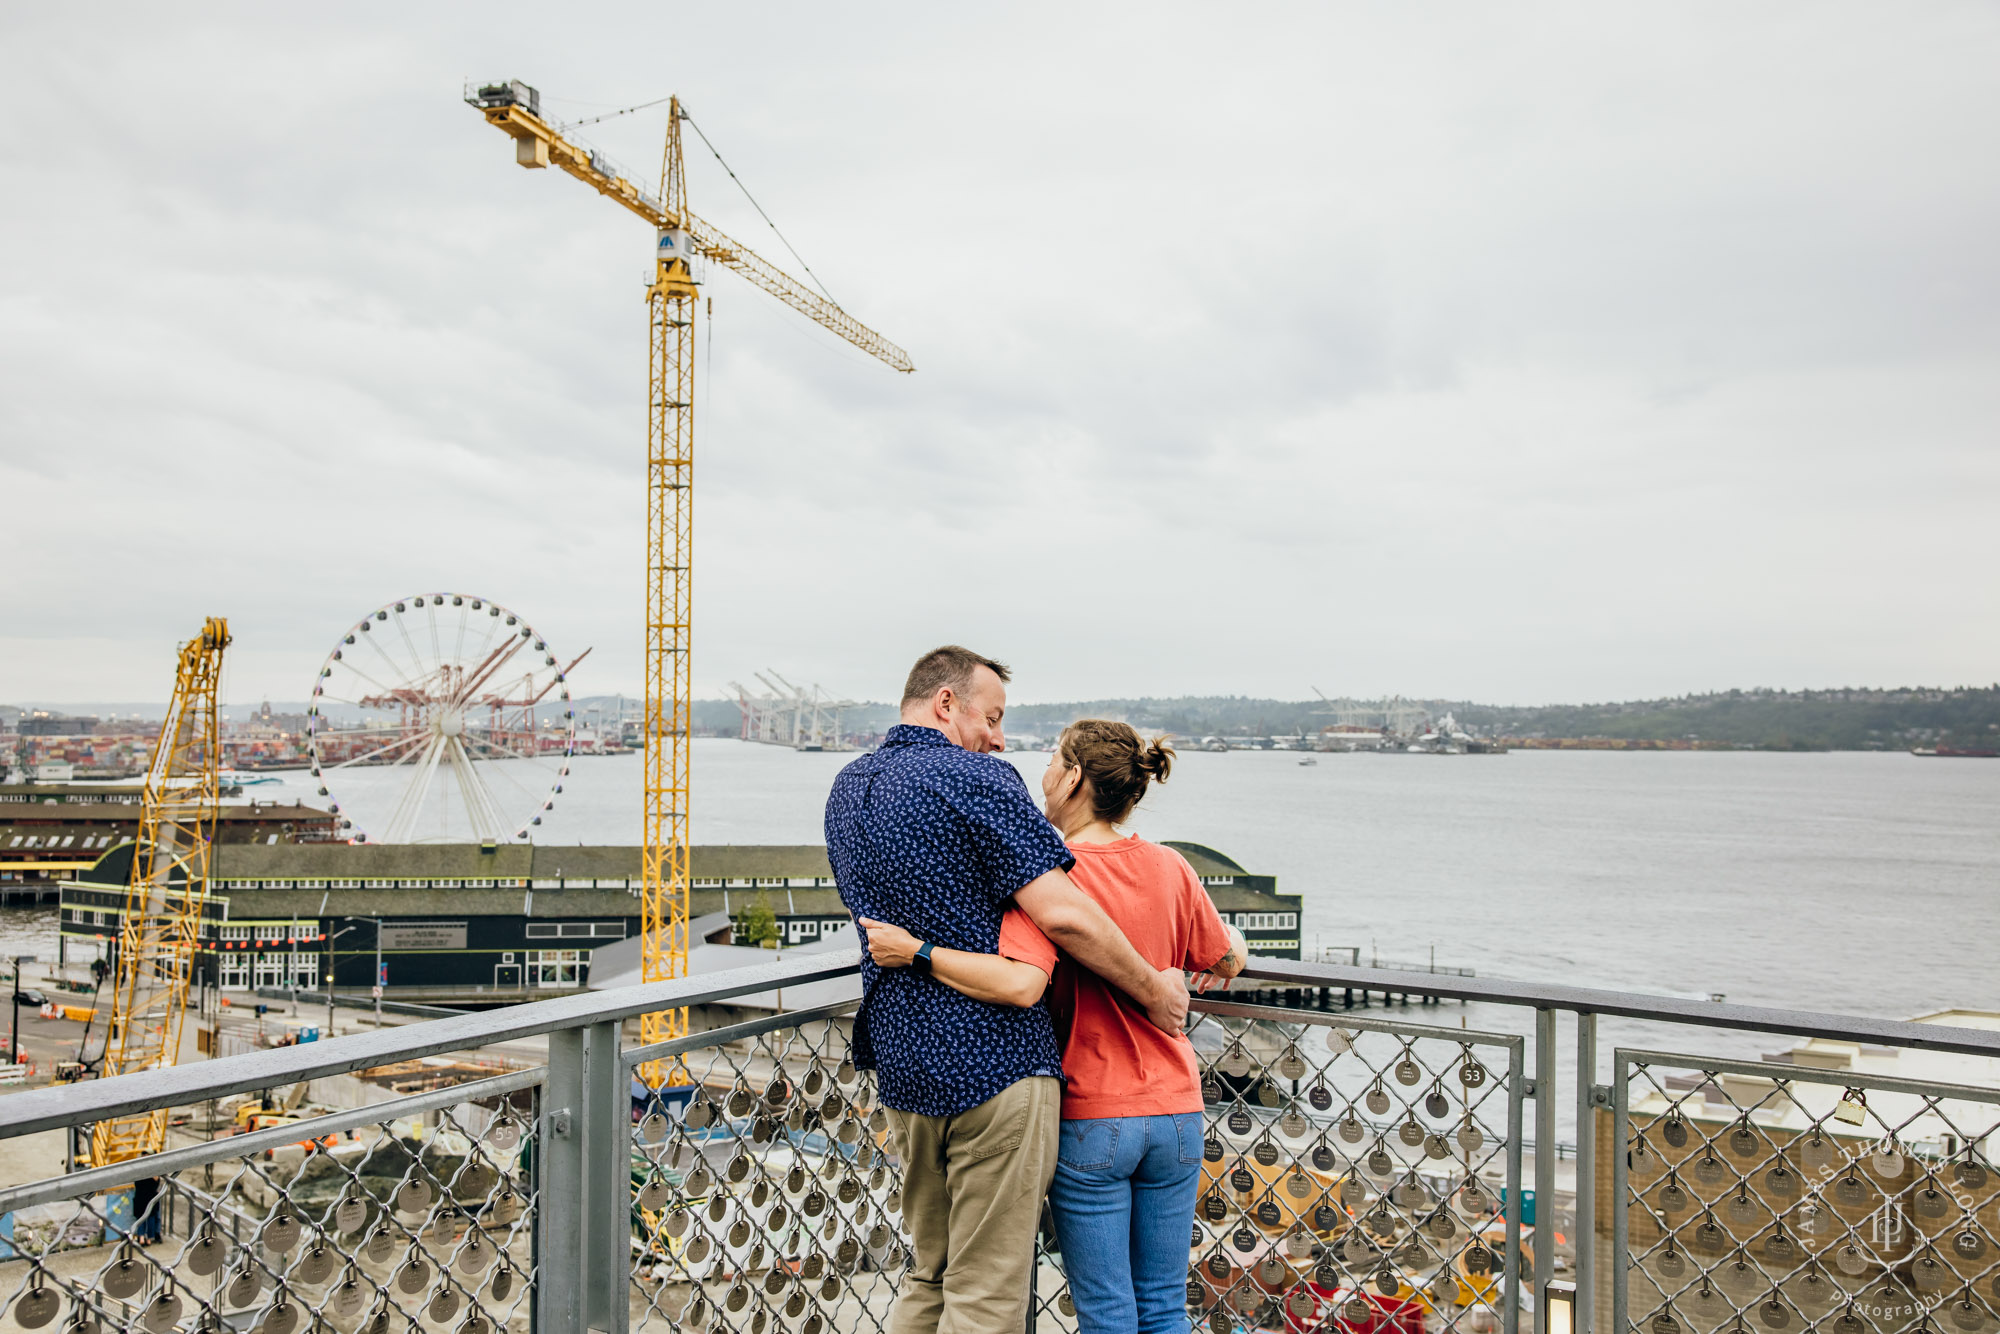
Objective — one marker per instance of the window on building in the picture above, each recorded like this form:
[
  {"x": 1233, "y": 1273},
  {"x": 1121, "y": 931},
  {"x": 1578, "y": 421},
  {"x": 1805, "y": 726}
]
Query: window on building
[
  {"x": 233, "y": 933},
  {"x": 700, "y": 883},
  {"x": 267, "y": 935},
  {"x": 570, "y": 930},
  {"x": 1266, "y": 921},
  {"x": 270, "y": 970},
  {"x": 233, "y": 974},
  {"x": 304, "y": 971},
  {"x": 551, "y": 969}
]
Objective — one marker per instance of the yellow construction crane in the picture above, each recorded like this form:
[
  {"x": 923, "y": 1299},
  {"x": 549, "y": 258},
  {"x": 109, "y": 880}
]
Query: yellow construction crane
[
  {"x": 679, "y": 237},
  {"x": 164, "y": 898}
]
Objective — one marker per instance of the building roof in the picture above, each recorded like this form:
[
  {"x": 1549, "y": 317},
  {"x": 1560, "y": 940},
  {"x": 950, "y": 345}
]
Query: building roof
[
  {"x": 515, "y": 861},
  {"x": 371, "y": 861},
  {"x": 291, "y": 879},
  {"x": 545, "y": 862},
  {"x": 1205, "y": 860},
  {"x": 617, "y": 965}
]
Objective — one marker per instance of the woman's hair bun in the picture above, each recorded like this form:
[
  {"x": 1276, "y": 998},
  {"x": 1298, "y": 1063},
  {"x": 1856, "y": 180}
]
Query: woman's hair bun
[{"x": 1117, "y": 764}]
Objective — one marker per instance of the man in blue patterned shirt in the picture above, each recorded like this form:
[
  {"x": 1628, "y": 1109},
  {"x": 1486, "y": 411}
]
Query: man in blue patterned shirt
[{"x": 938, "y": 835}]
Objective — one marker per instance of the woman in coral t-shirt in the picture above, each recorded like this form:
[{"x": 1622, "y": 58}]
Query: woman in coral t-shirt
[{"x": 1129, "y": 1160}]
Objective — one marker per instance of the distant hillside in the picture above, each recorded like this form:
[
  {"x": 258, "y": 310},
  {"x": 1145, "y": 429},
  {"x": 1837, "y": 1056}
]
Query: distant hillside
[{"x": 1844, "y": 719}]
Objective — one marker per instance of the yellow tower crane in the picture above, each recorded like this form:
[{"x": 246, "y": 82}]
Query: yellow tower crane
[
  {"x": 679, "y": 237},
  {"x": 164, "y": 898}
]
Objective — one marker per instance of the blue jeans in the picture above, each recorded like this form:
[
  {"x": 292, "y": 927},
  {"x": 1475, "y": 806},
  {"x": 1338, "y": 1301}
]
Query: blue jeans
[{"x": 1123, "y": 1202}]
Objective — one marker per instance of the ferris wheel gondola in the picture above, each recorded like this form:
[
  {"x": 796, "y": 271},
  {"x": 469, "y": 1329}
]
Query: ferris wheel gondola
[{"x": 441, "y": 718}]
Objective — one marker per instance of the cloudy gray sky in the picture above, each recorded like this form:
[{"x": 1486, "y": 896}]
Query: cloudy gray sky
[{"x": 1518, "y": 352}]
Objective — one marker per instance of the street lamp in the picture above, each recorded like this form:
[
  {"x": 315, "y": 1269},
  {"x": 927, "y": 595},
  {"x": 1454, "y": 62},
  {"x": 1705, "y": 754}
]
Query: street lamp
[
  {"x": 378, "y": 968},
  {"x": 333, "y": 969},
  {"x": 21, "y": 998}
]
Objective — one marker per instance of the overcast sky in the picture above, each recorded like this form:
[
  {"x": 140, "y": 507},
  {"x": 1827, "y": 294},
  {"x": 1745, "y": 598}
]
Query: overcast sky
[{"x": 1513, "y": 352}]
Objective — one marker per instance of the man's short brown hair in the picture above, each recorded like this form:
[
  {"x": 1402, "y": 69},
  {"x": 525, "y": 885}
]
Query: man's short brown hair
[{"x": 948, "y": 666}]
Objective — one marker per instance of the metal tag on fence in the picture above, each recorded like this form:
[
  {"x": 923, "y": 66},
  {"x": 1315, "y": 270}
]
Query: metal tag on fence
[
  {"x": 316, "y": 1266},
  {"x": 164, "y": 1312},
  {"x": 125, "y": 1276},
  {"x": 413, "y": 1277}
]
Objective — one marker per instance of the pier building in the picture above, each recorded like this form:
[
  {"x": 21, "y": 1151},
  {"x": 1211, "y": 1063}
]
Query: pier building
[
  {"x": 52, "y": 834},
  {"x": 465, "y": 924}
]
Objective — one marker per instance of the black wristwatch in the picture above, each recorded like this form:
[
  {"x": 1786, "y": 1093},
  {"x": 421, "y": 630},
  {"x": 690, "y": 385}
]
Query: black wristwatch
[{"x": 921, "y": 960}]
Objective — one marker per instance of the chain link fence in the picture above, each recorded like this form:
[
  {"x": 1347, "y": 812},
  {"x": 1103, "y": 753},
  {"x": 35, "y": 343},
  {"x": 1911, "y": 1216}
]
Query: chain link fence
[
  {"x": 1360, "y": 1175},
  {"x": 1757, "y": 1195}
]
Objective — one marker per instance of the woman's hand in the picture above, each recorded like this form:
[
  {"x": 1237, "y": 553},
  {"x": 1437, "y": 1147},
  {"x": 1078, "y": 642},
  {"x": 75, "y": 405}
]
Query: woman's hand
[{"x": 889, "y": 946}]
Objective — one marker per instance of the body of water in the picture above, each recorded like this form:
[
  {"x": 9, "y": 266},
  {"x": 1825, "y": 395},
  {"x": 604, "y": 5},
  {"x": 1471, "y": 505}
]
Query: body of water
[{"x": 1862, "y": 883}]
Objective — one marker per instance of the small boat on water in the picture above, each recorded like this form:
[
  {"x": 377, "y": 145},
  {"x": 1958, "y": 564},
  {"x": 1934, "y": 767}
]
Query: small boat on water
[{"x": 244, "y": 778}]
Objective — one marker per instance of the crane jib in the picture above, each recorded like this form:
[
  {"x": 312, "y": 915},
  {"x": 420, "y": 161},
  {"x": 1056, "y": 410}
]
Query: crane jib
[{"x": 514, "y": 108}]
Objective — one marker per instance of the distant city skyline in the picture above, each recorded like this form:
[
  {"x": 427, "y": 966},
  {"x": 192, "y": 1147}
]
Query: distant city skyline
[{"x": 1544, "y": 354}]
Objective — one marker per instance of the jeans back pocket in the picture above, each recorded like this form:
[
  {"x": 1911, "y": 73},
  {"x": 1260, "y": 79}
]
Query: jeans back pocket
[
  {"x": 1191, "y": 1131},
  {"x": 1088, "y": 1146}
]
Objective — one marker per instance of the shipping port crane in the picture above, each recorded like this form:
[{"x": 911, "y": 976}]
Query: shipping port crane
[
  {"x": 679, "y": 238},
  {"x": 166, "y": 894}
]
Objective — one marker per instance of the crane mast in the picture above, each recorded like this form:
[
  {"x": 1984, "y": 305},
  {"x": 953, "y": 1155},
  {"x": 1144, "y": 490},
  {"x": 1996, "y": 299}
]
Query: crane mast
[
  {"x": 165, "y": 896},
  {"x": 663, "y": 922},
  {"x": 679, "y": 237}
]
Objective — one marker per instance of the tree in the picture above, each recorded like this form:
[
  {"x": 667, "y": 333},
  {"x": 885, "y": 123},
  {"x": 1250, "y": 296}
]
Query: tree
[{"x": 759, "y": 924}]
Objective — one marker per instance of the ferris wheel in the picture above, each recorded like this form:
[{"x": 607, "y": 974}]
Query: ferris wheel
[{"x": 441, "y": 718}]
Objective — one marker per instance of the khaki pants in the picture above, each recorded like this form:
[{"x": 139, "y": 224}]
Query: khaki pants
[{"x": 972, "y": 1194}]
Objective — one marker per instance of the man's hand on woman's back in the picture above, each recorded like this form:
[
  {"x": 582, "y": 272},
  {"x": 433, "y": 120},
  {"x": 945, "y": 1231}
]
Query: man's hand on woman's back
[
  {"x": 1085, "y": 932},
  {"x": 1173, "y": 1010}
]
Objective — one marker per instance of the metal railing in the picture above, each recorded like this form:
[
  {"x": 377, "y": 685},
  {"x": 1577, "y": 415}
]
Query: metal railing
[{"x": 1361, "y": 1174}]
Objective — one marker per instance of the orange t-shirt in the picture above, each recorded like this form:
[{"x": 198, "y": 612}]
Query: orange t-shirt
[{"x": 1115, "y": 1063}]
